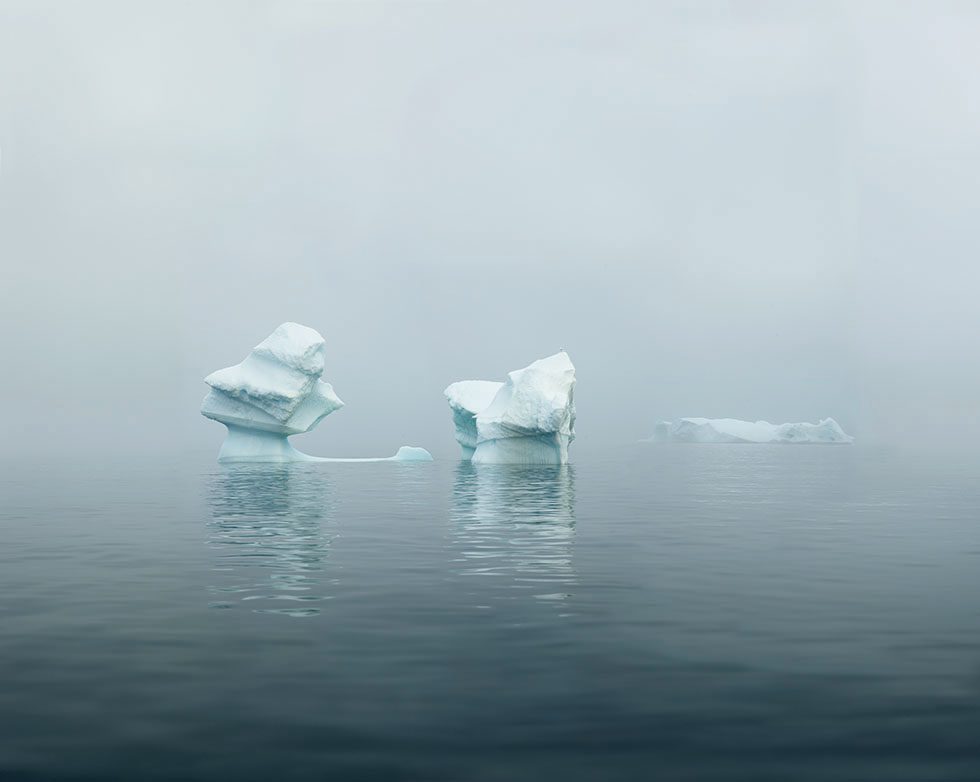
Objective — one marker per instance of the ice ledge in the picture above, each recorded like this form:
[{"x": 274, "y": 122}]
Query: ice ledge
[{"x": 254, "y": 445}]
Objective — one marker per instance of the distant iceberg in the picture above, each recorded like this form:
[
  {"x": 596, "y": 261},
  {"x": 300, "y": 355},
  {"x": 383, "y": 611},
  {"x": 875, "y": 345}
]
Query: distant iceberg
[
  {"x": 277, "y": 392},
  {"x": 731, "y": 430},
  {"x": 529, "y": 419}
]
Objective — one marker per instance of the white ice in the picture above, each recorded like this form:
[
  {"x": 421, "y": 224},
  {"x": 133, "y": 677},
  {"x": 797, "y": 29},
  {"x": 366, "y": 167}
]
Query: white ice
[
  {"x": 276, "y": 392},
  {"x": 731, "y": 430},
  {"x": 529, "y": 419}
]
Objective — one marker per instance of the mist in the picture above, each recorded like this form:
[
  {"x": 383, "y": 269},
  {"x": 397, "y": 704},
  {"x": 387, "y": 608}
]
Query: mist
[{"x": 752, "y": 210}]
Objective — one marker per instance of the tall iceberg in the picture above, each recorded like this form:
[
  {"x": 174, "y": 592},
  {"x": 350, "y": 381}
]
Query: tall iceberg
[
  {"x": 731, "y": 430},
  {"x": 529, "y": 419},
  {"x": 274, "y": 393}
]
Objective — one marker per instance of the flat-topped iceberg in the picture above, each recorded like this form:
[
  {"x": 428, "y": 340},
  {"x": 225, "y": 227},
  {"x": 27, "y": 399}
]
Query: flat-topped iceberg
[
  {"x": 277, "y": 392},
  {"x": 731, "y": 430},
  {"x": 529, "y": 419}
]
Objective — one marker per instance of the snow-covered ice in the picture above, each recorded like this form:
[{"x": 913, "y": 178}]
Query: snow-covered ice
[
  {"x": 529, "y": 419},
  {"x": 277, "y": 392},
  {"x": 731, "y": 430}
]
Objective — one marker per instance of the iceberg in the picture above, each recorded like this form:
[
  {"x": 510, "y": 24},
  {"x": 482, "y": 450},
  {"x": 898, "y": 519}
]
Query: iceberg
[
  {"x": 529, "y": 419},
  {"x": 731, "y": 430},
  {"x": 277, "y": 392}
]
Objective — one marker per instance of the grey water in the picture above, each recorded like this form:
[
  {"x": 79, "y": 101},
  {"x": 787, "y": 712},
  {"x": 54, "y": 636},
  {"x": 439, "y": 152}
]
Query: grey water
[{"x": 666, "y": 612}]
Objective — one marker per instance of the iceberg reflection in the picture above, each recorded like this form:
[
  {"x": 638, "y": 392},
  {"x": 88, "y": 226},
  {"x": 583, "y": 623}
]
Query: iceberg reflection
[
  {"x": 266, "y": 531},
  {"x": 513, "y": 527}
]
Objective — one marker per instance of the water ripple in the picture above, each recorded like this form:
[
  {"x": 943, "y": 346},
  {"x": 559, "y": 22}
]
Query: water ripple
[
  {"x": 268, "y": 536},
  {"x": 514, "y": 527}
]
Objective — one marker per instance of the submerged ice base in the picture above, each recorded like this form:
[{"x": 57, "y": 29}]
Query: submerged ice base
[
  {"x": 277, "y": 392},
  {"x": 541, "y": 449},
  {"x": 731, "y": 430}
]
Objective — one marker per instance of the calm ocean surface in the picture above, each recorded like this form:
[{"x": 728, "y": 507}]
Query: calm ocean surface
[{"x": 666, "y": 613}]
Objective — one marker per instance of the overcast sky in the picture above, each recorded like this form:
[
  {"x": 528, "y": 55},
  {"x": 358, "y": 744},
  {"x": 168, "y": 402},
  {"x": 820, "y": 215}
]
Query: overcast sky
[{"x": 723, "y": 209}]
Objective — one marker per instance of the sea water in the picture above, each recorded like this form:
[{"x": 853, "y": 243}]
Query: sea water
[{"x": 666, "y": 612}]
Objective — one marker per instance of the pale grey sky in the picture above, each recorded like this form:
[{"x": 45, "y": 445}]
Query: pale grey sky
[{"x": 722, "y": 209}]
